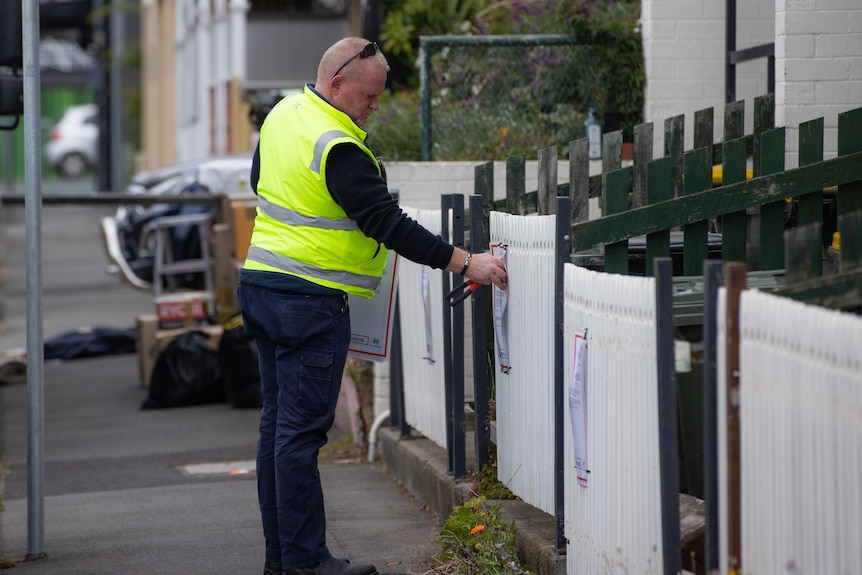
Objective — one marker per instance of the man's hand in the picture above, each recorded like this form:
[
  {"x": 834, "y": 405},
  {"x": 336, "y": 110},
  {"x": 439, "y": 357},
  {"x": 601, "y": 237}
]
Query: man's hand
[{"x": 484, "y": 268}]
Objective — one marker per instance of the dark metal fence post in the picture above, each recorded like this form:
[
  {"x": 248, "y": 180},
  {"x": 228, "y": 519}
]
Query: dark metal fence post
[
  {"x": 395, "y": 390},
  {"x": 735, "y": 280},
  {"x": 712, "y": 273},
  {"x": 397, "y": 417},
  {"x": 564, "y": 249},
  {"x": 480, "y": 351},
  {"x": 446, "y": 207},
  {"x": 458, "y": 339},
  {"x": 667, "y": 414}
]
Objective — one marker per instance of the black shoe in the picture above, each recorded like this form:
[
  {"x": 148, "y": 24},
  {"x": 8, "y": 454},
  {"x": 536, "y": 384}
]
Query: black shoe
[
  {"x": 333, "y": 566},
  {"x": 272, "y": 568}
]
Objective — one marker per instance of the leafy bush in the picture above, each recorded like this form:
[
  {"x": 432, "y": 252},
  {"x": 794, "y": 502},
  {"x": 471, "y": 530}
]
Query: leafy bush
[
  {"x": 498, "y": 101},
  {"x": 406, "y": 20},
  {"x": 529, "y": 16},
  {"x": 394, "y": 130},
  {"x": 617, "y": 78},
  {"x": 490, "y": 103}
]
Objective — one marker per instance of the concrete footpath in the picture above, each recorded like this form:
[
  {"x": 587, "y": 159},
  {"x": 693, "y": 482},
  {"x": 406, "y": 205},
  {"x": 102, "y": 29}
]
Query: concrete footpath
[{"x": 173, "y": 491}]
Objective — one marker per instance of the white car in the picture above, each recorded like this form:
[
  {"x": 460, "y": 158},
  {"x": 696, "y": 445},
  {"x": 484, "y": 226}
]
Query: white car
[{"x": 73, "y": 145}]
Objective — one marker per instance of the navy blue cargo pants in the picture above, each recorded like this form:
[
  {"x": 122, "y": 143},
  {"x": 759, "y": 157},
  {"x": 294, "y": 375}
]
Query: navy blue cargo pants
[{"x": 302, "y": 341}]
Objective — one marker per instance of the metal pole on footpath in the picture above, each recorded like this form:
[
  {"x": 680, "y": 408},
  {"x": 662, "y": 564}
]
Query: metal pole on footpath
[{"x": 33, "y": 226}]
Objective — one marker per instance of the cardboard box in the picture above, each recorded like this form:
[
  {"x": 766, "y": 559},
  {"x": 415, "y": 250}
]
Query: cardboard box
[
  {"x": 244, "y": 212},
  {"x": 153, "y": 341},
  {"x": 185, "y": 309},
  {"x": 146, "y": 327},
  {"x": 226, "y": 273}
]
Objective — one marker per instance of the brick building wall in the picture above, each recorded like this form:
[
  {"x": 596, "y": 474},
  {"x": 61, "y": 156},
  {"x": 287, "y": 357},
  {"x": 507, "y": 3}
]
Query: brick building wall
[
  {"x": 818, "y": 49},
  {"x": 684, "y": 53}
]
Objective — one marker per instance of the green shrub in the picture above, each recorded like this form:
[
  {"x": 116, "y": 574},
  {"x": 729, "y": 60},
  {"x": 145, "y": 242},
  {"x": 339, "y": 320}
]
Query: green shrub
[
  {"x": 491, "y": 103},
  {"x": 394, "y": 130},
  {"x": 616, "y": 78},
  {"x": 405, "y": 20}
]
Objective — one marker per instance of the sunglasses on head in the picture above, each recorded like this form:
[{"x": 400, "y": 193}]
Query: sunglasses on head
[{"x": 370, "y": 50}]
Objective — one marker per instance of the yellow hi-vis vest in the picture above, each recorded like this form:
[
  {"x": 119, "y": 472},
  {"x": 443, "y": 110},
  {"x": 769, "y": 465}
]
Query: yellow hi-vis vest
[{"x": 299, "y": 229}]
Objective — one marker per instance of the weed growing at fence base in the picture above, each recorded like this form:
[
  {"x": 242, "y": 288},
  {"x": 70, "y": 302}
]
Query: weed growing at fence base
[
  {"x": 490, "y": 485},
  {"x": 475, "y": 540}
]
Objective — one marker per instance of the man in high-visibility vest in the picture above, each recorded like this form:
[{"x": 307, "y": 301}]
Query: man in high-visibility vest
[{"x": 324, "y": 222}]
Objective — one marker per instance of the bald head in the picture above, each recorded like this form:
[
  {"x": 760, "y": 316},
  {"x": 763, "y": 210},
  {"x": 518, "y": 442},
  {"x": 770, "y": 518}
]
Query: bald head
[
  {"x": 351, "y": 76},
  {"x": 342, "y": 52}
]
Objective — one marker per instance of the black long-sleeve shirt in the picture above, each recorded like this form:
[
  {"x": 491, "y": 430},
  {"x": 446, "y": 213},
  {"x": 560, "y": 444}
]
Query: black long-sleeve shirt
[{"x": 356, "y": 186}]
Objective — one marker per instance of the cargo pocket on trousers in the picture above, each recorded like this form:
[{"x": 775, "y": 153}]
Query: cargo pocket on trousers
[{"x": 315, "y": 380}]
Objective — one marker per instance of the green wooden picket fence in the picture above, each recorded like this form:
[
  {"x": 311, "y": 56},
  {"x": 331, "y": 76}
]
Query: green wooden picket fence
[
  {"x": 676, "y": 191},
  {"x": 776, "y": 221}
]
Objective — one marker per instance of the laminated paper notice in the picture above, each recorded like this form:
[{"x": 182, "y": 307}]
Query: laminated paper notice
[
  {"x": 426, "y": 301},
  {"x": 578, "y": 407},
  {"x": 501, "y": 318},
  {"x": 371, "y": 319}
]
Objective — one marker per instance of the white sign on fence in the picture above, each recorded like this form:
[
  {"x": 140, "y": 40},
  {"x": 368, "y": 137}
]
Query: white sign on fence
[
  {"x": 501, "y": 319},
  {"x": 578, "y": 407},
  {"x": 426, "y": 303},
  {"x": 371, "y": 319}
]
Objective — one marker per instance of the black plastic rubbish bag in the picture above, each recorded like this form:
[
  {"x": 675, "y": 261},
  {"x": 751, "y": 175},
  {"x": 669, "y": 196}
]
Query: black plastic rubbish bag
[
  {"x": 238, "y": 360},
  {"x": 90, "y": 342},
  {"x": 186, "y": 373}
]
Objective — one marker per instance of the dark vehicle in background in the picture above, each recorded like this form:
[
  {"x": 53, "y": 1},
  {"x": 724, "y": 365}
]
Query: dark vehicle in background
[{"x": 595, "y": 259}]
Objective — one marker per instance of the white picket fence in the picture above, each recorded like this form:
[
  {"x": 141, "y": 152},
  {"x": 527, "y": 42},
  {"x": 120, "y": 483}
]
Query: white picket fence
[
  {"x": 613, "y": 523},
  {"x": 617, "y": 527},
  {"x": 800, "y": 410},
  {"x": 801, "y": 437},
  {"x": 525, "y": 395},
  {"x": 420, "y": 293}
]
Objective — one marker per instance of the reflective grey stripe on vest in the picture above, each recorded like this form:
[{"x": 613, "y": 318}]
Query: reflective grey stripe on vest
[
  {"x": 292, "y": 218},
  {"x": 320, "y": 146},
  {"x": 264, "y": 256}
]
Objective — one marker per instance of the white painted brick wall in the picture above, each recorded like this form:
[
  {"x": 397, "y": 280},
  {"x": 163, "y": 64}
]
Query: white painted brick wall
[
  {"x": 818, "y": 46},
  {"x": 420, "y": 184},
  {"x": 684, "y": 51}
]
